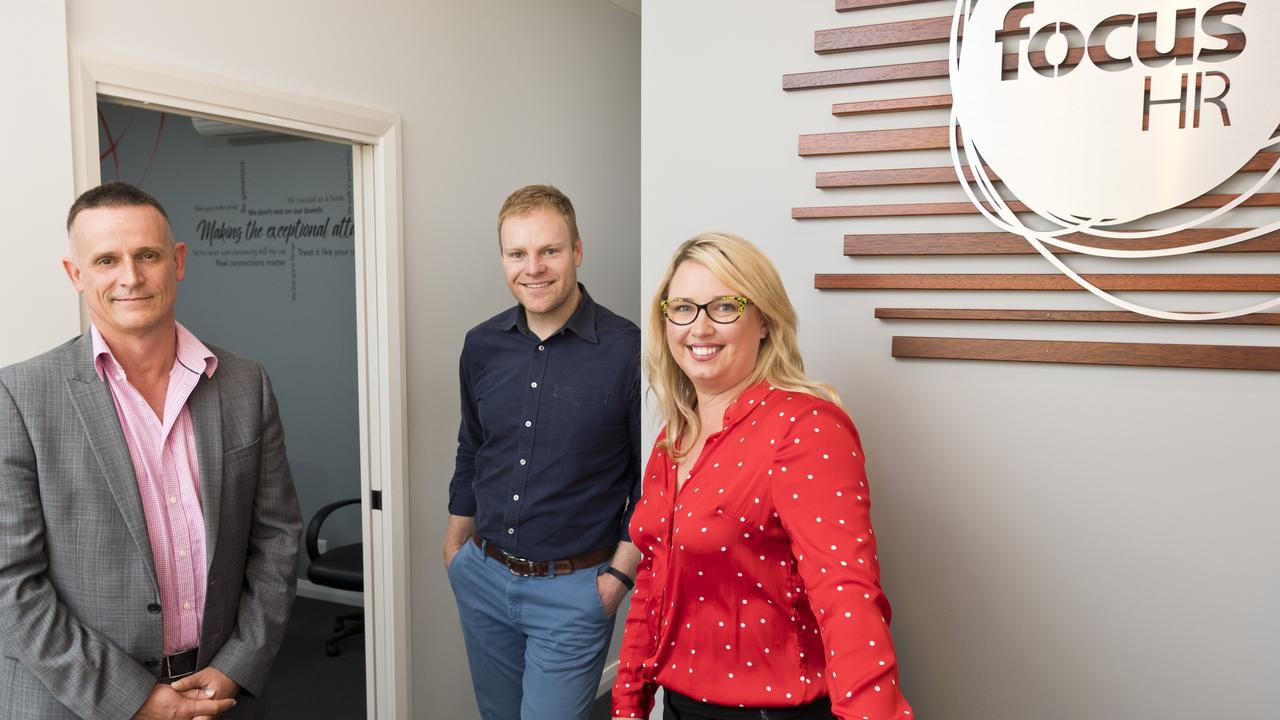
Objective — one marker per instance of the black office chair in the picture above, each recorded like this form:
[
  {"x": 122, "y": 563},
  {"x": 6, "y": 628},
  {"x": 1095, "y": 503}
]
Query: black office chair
[{"x": 341, "y": 567}]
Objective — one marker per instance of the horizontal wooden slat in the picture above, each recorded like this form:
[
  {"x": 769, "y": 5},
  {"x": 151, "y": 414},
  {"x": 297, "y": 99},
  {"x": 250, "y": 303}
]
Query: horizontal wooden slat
[
  {"x": 1093, "y": 316},
  {"x": 864, "y": 141},
  {"x": 1002, "y": 243},
  {"x": 966, "y": 208},
  {"x": 1214, "y": 357},
  {"x": 945, "y": 175},
  {"x": 891, "y": 34},
  {"x": 866, "y": 75},
  {"x": 1224, "y": 282},
  {"x": 868, "y": 107},
  {"x": 847, "y": 5},
  {"x": 902, "y": 210},
  {"x": 902, "y": 176}
]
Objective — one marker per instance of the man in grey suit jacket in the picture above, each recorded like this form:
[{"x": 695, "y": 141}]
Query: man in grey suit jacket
[{"x": 83, "y": 619}]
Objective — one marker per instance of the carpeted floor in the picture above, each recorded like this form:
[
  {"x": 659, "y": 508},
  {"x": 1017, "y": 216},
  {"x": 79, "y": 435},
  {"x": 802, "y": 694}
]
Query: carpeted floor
[{"x": 305, "y": 683}]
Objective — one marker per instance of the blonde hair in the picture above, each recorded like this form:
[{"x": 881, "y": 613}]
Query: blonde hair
[
  {"x": 740, "y": 265},
  {"x": 532, "y": 197}
]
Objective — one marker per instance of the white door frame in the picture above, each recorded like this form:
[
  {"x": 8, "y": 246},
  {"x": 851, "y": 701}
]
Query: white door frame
[{"x": 375, "y": 136}]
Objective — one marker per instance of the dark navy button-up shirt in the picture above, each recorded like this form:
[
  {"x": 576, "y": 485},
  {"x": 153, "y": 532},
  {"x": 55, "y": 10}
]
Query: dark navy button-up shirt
[{"x": 549, "y": 445}]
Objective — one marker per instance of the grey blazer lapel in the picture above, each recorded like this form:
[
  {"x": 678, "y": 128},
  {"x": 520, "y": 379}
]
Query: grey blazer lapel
[
  {"x": 97, "y": 413},
  {"x": 205, "y": 406}
]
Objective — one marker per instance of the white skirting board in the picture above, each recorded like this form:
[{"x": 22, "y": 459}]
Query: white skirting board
[
  {"x": 606, "y": 679},
  {"x": 308, "y": 589}
]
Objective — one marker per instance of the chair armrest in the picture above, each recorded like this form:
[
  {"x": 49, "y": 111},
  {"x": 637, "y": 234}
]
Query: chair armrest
[{"x": 317, "y": 520}]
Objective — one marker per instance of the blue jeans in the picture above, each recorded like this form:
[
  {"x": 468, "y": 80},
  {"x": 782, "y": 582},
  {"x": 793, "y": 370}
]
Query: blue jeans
[{"x": 536, "y": 645}]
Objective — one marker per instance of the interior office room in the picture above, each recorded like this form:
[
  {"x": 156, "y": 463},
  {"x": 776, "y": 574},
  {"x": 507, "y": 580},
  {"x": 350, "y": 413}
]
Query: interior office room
[{"x": 1057, "y": 539}]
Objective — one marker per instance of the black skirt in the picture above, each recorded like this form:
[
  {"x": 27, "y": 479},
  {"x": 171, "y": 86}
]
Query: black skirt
[{"x": 682, "y": 707}]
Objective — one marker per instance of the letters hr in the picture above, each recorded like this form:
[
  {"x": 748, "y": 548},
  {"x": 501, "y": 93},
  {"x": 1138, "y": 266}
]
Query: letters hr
[
  {"x": 1016, "y": 35},
  {"x": 1181, "y": 101}
]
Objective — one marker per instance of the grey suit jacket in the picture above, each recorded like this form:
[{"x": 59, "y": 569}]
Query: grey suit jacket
[{"x": 79, "y": 635}]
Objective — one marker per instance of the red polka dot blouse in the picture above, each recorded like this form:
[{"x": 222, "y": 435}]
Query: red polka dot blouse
[{"x": 760, "y": 584}]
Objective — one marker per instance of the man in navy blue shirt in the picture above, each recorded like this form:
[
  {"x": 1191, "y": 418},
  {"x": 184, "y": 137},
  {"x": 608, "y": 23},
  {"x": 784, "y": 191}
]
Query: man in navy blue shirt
[{"x": 547, "y": 471}]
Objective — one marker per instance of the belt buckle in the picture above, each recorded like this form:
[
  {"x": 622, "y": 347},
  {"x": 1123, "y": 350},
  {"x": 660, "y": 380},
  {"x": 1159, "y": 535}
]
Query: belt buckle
[
  {"x": 168, "y": 670},
  {"x": 521, "y": 567}
]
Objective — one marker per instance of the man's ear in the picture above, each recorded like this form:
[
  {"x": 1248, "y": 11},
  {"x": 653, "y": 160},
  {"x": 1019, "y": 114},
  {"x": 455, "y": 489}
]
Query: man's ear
[{"x": 73, "y": 273}]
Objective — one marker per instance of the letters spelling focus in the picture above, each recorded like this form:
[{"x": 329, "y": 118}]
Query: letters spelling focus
[{"x": 1211, "y": 23}]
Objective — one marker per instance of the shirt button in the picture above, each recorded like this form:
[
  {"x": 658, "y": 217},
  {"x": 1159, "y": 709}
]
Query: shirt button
[
  {"x": 511, "y": 531},
  {"x": 186, "y": 606},
  {"x": 533, "y": 384},
  {"x": 523, "y": 461},
  {"x": 173, "y": 500},
  {"x": 541, "y": 348},
  {"x": 528, "y": 423},
  {"x": 182, "y": 553},
  {"x": 516, "y": 497}
]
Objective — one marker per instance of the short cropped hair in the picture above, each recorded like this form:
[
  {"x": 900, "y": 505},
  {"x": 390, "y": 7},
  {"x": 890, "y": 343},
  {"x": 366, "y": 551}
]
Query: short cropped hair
[
  {"x": 530, "y": 198},
  {"x": 111, "y": 195}
]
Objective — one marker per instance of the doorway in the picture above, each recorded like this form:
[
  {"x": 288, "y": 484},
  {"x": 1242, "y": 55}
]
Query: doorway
[
  {"x": 334, "y": 249},
  {"x": 268, "y": 224}
]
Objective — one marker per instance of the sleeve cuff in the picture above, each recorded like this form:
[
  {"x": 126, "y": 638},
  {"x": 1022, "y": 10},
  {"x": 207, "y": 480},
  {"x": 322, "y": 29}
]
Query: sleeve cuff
[{"x": 462, "y": 506}]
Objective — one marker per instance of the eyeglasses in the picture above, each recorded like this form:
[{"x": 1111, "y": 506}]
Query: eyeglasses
[{"x": 722, "y": 310}]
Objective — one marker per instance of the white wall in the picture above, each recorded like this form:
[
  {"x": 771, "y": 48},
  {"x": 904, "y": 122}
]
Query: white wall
[
  {"x": 1057, "y": 541},
  {"x": 492, "y": 96},
  {"x": 37, "y": 185}
]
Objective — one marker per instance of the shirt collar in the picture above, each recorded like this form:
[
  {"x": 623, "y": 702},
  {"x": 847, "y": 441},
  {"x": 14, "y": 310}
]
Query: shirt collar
[
  {"x": 746, "y": 402},
  {"x": 582, "y": 323},
  {"x": 191, "y": 353}
]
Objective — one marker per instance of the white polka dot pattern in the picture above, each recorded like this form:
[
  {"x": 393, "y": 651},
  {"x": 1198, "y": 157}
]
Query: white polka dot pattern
[{"x": 773, "y": 589}]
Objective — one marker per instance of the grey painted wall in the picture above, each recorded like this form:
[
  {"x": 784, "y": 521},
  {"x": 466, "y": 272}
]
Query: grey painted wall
[
  {"x": 288, "y": 303},
  {"x": 1057, "y": 542},
  {"x": 492, "y": 96}
]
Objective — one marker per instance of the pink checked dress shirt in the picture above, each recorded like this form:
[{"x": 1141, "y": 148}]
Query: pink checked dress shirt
[{"x": 167, "y": 468}]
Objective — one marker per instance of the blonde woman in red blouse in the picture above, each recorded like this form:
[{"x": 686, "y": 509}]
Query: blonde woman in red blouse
[{"x": 759, "y": 593}]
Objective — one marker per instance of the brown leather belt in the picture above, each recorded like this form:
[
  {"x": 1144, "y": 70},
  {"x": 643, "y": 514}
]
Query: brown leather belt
[{"x": 541, "y": 568}]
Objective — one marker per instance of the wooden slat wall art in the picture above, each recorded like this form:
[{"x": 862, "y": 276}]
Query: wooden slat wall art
[
  {"x": 866, "y": 75},
  {"x": 847, "y": 5},
  {"x": 868, "y": 107},
  {"x": 894, "y": 34},
  {"x": 865, "y": 141},
  {"x": 935, "y": 30},
  {"x": 1002, "y": 243},
  {"x": 1086, "y": 316},
  {"x": 947, "y": 175},
  {"x": 967, "y": 208},
  {"x": 902, "y": 176},
  {"x": 1214, "y": 357},
  {"x": 1112, "y": 282}
]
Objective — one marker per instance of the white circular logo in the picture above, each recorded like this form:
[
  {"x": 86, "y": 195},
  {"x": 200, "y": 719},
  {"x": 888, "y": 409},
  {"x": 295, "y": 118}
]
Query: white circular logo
[{"x": 1095, "y": 115}]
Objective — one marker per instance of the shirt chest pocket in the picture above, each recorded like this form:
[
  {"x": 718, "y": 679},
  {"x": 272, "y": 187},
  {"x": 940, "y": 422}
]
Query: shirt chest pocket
[{"x": 584, "y": 417}]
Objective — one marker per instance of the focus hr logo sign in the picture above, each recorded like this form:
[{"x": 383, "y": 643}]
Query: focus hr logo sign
[{"x": 1098, "y": 116}]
